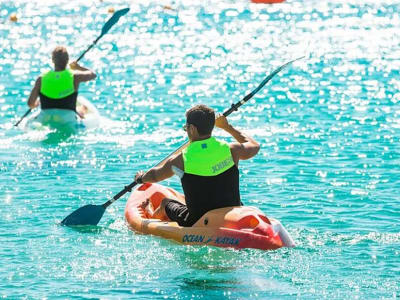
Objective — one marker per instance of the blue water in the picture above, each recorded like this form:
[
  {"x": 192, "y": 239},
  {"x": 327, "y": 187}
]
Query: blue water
[{"x": 328, "y": 169}]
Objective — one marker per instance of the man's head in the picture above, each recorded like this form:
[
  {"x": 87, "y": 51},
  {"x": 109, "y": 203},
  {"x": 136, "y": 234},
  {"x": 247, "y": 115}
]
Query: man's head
[
  {"x": 60, "y": 57},
  {"x": 200, "y": 121}
]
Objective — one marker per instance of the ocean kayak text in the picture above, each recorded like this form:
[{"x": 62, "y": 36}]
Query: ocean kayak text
[{"x": 221, "y": 240}]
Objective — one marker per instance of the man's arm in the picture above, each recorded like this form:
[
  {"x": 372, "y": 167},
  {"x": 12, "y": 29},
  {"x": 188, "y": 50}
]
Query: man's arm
[
  {"x": 81, "y": 74},
  {"x": 162, "y": 172},
  {"x": 33, "y": 100},
  {"x": 245, "y": 148}
]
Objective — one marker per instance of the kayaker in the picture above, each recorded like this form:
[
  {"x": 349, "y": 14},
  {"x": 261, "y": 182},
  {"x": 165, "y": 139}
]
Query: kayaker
[
  {"x": 208, "y": 169},
  {"x": 58, "y": 88}
]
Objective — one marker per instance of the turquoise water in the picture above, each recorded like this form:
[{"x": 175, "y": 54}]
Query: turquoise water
[{"x": 328, "y": 169}]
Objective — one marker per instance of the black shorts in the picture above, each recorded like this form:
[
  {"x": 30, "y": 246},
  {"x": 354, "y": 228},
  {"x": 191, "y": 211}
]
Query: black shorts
[{"x": 178, "y": 212}]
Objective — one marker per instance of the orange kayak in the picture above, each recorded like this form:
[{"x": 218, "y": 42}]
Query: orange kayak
[{"x": 235, "y": 227}]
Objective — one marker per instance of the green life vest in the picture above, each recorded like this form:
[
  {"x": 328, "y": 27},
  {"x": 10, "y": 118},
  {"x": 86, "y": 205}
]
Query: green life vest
[
  {"x": 208, "y": 157},
  {"x": 57, "y": 85}
]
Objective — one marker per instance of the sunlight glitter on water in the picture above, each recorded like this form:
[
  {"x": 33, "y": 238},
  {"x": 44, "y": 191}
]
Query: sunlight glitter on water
[{"x": 328, "y": 127}]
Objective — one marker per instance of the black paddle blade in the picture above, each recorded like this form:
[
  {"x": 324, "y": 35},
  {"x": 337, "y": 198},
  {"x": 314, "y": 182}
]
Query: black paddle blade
[
  {"x": 114, "y": 19},
  {"x": 86, "y": 215}
]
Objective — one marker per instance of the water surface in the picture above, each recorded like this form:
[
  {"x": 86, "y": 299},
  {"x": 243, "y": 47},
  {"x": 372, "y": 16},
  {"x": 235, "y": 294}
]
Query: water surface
[{"x": 328, "y": 169}]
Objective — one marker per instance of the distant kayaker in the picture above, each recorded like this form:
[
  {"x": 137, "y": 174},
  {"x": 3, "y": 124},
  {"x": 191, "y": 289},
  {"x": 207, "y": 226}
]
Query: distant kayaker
[
  {"x": 208, "y": 169},
  {"x": 58, "y": 88}
]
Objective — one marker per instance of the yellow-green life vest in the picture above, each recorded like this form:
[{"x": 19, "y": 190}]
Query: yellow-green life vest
[
  {"x": 208, "y": 157},
  {"x": 57, "y": 85}
]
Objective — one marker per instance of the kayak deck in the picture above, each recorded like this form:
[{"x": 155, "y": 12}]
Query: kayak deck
[
  {"x": 235, "y": 227},
  {"x": 65, "y": 119}
]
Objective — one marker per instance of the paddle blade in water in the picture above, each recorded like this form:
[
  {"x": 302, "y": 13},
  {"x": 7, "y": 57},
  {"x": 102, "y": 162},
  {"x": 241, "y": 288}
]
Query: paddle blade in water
[{"x": 86, "y": 215}]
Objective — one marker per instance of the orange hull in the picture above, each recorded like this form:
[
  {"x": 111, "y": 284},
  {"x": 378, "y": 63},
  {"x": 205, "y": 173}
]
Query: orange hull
[{"x": 235, "y": 227}]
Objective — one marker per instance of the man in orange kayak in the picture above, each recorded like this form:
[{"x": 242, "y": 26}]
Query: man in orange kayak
[
  {"x": 207, "y": 167},
  {"x": 58, "y": 88}
]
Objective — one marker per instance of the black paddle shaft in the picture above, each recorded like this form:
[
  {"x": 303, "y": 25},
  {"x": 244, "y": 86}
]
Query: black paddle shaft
[
  {"x": 23, "y": 117},
  {"x": 246, "y": 98},
  {"x": 126, "y": 189}
]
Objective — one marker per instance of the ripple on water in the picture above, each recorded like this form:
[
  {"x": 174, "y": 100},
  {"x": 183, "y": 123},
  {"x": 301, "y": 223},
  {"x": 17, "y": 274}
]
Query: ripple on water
[{"x": 328, "y": 128}]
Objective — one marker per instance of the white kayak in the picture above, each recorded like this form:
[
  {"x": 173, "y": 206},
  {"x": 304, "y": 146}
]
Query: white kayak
[{"x": 65, "y": 119}]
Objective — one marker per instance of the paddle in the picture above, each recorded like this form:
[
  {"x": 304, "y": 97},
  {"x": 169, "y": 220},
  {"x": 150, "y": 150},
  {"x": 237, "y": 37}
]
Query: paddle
[
  {"x": 91, "y": 214},
  {"x": 114, "y": 19},
  {"x": 106, "y": 27}
]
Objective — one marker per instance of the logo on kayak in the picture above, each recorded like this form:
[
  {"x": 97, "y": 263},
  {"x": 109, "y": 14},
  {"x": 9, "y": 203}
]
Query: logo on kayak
[
  {"x": 193, "y": 238},
  {"x": 225, "y": 240},
  {"x": 219, "y": 240}
]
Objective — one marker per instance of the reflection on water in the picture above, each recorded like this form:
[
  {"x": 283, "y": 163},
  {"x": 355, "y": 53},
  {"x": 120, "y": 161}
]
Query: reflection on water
[{"x": 328, "y": 126}]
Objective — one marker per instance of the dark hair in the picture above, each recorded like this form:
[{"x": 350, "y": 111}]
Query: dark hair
[
  {"x": 60, "y": 57},
  {"x": 203, "y": 117}
]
